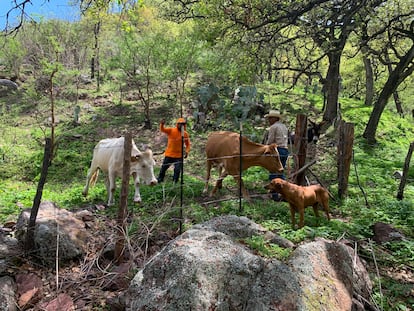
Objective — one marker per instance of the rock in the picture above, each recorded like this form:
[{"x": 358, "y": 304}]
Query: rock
[
  {"x": 52, "y": 222},
  {"x": 7, "y": 294},
  {"x": 200, "y": 270},
  {"x": 242, "y": 227},
  {"x": 29, "y": 289},
  {"x": 329, "y": 276},
  {"x": 85, "y": 215},
  {"x": 278, "y": 240},
  {"x": 9, "y": 84},
  {"x": 206, "y": 268},
  {"x": 62, "y": 302},
  {"x": 233, "y": 226},
  {"x": 84, "y": 79},
  {"x": 9, "y": 225},
  {"x": 115, "y": 304},
  {"x": 119, "y": 278},
  {"x": 9, "y": 252},
  {"x": 385, "y": 233}
]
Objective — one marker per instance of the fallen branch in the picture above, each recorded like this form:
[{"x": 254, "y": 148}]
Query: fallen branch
[
  {"x": 259, "y": 195},
  {"x": 318, "y": 180},
  {"x": 303, "y": 168}
]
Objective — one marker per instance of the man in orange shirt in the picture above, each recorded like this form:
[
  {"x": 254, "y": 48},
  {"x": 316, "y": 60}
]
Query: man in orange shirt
[{"x": 173, "y": 154}]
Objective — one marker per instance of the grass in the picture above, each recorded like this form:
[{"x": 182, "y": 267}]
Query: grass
[{"x": 371, "y": 193}]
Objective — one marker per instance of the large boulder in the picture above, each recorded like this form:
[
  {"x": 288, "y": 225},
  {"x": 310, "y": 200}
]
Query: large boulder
[
  {"x": 53, "y": 223},
  {"x": 7, "y": 294},
  {"x": 9, "y": 252},
  {"x": 208, "y": 268}
]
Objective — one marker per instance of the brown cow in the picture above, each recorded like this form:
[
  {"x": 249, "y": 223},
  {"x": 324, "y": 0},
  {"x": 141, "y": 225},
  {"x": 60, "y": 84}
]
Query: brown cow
[{"x": 223, "y": 150}]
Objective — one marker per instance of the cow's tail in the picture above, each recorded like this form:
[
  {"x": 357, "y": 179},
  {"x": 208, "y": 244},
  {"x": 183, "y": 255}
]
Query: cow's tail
[{"x": 94, "y": 178}]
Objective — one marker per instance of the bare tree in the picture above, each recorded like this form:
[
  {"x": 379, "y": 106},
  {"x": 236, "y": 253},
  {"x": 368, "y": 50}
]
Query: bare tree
[{"x": 19, "y": 8}]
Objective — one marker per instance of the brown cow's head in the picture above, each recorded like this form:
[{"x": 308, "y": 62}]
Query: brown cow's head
[{"x": 275, "y": 164}]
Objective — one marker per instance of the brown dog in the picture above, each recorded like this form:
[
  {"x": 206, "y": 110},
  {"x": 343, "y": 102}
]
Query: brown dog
[{"x": 300, "y": 197}]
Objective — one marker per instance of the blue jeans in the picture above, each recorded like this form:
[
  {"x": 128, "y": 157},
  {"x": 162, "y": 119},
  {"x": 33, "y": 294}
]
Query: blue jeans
[
  {"x": 283, "y": 154},
  {"x": 178, "y": 166}
]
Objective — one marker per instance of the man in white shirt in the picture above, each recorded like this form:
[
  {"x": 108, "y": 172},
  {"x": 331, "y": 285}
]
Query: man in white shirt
[{"x": 277, "y": 133}]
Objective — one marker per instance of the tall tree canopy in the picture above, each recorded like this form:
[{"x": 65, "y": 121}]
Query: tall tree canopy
[{"x": 288, "y": 42}]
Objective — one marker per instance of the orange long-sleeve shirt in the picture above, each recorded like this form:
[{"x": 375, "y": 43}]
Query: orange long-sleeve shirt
[{"x": 174, "y": 141}]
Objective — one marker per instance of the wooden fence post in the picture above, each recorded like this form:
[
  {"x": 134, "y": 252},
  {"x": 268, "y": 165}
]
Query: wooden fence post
[
  {"x": 29, "y": 242},
  {"x": 344, "y": 155},
  {"x": 301, "y": 142},
  {"x": 403, "y": 181},
  {"x": 122, "y": 210}
]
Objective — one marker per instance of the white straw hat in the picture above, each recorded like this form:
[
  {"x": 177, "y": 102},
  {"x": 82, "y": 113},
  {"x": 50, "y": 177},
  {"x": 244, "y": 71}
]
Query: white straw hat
[{"x": 273, "y": 113}]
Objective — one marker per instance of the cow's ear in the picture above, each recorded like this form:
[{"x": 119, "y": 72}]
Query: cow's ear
[{"x": 146, "y": 147}]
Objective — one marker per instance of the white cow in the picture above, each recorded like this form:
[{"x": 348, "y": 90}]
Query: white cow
[{"x": 108, "y": 156}]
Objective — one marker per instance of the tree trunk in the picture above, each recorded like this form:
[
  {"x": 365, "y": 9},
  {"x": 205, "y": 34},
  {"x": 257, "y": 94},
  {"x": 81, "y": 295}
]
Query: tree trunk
[
  {"x": 332, "y": 87},
  {"x": 269, "y": 69},
  {"x": 396, "y": 77},
  {"x": 145, "y": 100},
  {"x": 400, "y": 194},
  {"x": 344, "y": 156},
  {"x": 395, "y": 94},
  {"x": 95, "y": 58},
  {"x": 269, "y": 61},
  {"x": 122, "y": 210},
  {"x": 372, "y": 125},
  {"x": 52, "y": 111},
  {"x": 398, "y": 104},
  {"x": 369, "y": 81},
  {"x": 301, "y": 143},
  {"x": 93, "y": 67}
]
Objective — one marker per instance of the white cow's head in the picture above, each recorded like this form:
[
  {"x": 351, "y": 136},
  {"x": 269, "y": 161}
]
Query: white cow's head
[{"x": 143, "y": 164}]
